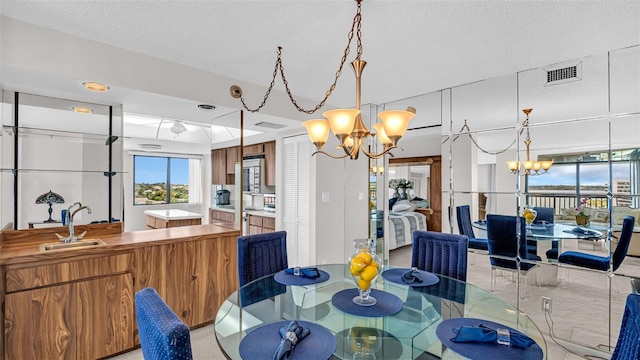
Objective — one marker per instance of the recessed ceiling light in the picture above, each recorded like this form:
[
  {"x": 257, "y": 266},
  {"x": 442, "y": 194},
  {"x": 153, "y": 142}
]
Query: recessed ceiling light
[
  {"x": 82, "y": 110},
  {"x": 94, "y": 86},
  {"x": 206, "y": 107}
]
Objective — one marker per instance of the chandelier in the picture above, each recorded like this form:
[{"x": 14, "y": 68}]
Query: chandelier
[
  {"x": 178, "y": 127},
  {"x": 346, "y": 124},
  {"x": 530, "y": 167}
]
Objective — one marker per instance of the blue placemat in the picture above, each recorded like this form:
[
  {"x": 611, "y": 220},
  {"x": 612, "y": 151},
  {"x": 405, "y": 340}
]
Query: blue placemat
[
  {"x": 388, "y": 304},
  {"x": 290, "y": 279},
  {"x": 479, "y": 350},
  {"x": 395, "y": 275},
  {"x": 263, "y": 342},
  {"x": 581, "y": 231}
]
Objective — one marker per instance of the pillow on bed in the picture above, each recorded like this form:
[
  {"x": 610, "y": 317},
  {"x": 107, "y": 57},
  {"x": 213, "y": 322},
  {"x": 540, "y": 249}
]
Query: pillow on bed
[{"x": 403, "y": 205}]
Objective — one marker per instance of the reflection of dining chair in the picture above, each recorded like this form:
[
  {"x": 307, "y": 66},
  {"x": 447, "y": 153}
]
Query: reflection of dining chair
[
  {"x": 546, "y": 215},
  {"x": 602, "y": 262},
  {"x": 261, "y": 255},
  {"x": 505, "y": 253},
  {"x": 628, "y": 345},
  {"x": 162, "y": 334},
  {"x": 463, "y": 216}
]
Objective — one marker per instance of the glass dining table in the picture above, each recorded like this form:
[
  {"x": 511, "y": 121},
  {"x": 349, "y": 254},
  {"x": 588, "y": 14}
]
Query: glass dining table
[{"x": 409, "y": 333}]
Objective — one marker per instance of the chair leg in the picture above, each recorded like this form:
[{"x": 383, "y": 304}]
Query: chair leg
[{"x": 493, "y": 279}]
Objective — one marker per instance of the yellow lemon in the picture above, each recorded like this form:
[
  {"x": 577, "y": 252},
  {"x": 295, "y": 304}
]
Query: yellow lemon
[
  {"x": 364, "y": 284},
  {"x": 369, "y": 273},
  {"x": 357, "y": 265},
  {"x": 373, "y": 263},
  {"x": 366, "y": 257}
]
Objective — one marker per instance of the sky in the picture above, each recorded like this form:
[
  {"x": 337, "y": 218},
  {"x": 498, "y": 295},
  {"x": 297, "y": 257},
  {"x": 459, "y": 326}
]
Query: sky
[
  {"x": 590, "y": 174},
  {"x": 150, "y": 170}
]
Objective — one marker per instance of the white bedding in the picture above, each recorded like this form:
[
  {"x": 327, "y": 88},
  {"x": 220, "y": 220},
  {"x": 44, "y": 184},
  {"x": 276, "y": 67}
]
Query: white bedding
[{"x": 401, "y": 227}]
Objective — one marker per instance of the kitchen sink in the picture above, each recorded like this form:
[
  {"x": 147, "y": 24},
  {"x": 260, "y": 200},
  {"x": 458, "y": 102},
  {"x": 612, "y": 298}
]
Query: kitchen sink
[{"x": 80, "y": 244}]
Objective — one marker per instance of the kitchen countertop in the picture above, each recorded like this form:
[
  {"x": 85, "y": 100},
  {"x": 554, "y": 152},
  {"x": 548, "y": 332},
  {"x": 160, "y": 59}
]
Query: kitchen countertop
[
  {"x": 261, "y": 213},
  {"x": 173, "y": 214},
  {"x": 225, "y": 209}
]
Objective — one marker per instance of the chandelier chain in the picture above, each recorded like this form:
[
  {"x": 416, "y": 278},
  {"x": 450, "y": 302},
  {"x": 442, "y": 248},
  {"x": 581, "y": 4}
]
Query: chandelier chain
[
  {"x": 279, "y": 67},
  {"x": 476, "y": 143}
]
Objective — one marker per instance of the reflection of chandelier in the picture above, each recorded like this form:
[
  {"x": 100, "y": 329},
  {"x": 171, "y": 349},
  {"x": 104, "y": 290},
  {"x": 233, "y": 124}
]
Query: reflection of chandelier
[
  {"x": 178, "y": 127},
  {"x": 346, "y": 124},
  {"x": 530, "y": 167}
]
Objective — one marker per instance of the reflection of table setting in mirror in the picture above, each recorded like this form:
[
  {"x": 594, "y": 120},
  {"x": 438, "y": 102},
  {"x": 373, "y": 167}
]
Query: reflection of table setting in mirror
[{"x": 403, "y": 332}]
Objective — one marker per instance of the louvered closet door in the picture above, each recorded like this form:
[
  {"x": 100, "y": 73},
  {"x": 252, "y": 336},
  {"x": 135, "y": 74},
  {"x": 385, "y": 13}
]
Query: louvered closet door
[{"x": 296, "y": 169}]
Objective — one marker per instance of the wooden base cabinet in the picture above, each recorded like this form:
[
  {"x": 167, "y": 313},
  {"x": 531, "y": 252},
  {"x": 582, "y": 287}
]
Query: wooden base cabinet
[{"x": 83, "y": 320}]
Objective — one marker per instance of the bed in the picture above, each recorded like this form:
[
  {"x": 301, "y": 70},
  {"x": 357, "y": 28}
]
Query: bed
[{"x": 402, "y": 225}]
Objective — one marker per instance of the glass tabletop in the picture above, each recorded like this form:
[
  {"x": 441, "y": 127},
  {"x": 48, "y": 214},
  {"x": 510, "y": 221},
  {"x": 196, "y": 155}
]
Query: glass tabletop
[
  {"x": 553, "y": 231},
  {"x": 407, "y": 334}
]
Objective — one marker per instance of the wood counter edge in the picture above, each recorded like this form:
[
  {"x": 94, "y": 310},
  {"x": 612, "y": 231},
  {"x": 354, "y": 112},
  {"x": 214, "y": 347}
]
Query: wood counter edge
[{"x": 27, "y": 250}]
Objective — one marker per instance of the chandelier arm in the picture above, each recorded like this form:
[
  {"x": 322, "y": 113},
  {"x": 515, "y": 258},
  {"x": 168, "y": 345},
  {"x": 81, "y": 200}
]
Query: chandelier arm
[
  {"x": 377, "y": 156},
  {"x": 329, "y": 155},
  {"x": 279, "y": 67}
]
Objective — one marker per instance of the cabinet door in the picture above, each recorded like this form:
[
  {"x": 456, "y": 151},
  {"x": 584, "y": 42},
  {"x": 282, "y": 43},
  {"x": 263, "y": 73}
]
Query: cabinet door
[
  {"x": 105, "y": 317},
  {"x": 270, "y": 163},
  {"x": 219, "y": 166},
  {"x": 180, "y": 277},
  {"x": 233, "y": 156},
  {"x": 253, "y": 149},
  {"x": 40, "y": 324}
]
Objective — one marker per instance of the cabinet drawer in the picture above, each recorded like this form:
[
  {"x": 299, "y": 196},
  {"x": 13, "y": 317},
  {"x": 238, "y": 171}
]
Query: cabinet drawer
[
  {"x": 150, "y": 221},
  {"x": 44, "y": 275},
  {"x": 255, "y": 220},
  {"x": 268, "y": 224}
]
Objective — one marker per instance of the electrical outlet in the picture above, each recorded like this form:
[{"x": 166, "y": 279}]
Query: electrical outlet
[{"x": 546, "y": 304}]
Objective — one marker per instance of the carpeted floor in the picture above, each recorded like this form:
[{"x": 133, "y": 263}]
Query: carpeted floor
[{"x": 580, "y": 303}]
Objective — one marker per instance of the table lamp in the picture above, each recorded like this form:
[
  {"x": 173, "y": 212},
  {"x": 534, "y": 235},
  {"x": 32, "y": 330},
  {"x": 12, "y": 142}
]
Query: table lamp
[{"x": 50, "y": 198}]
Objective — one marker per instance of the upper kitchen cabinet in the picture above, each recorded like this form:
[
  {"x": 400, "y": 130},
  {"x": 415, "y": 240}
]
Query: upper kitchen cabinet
[
  {"x": 270, "y": 163},
  {"x": 56, "y": 152},
  {"x": 233, "y": 157},
  {"x": 254, "y": 149},
  {"x": 219, "y": 166}
]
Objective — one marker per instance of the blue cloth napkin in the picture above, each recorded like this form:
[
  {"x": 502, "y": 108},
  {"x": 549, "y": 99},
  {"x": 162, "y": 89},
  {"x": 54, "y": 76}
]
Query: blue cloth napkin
[
  {"x": 583, "y": 231},
  {"x": 482, "y": 333},
  {"x": 310, "y": 272},
  {"x": 412, "y": 276},
  {"x": 291, "y": 335}
]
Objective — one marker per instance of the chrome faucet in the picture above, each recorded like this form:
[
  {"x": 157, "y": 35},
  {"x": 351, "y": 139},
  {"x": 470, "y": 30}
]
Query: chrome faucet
[{"x": 69, "y": 220}]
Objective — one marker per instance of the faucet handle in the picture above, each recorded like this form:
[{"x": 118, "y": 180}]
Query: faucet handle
[
  {"x": 60, "y": 237},
  {"x": 79, "y": 237}
]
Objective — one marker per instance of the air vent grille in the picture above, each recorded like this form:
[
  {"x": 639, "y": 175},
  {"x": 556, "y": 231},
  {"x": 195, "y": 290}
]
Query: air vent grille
[
  {"x": 151, "y": 146},
  {"x": 269, "y": 125},
  {"x": 570, "y": 72}
]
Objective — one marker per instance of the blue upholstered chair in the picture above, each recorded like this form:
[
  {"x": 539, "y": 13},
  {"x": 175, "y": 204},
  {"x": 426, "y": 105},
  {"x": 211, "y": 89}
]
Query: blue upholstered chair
[
  {"x": 260, "y": 255},
  {"x": 440, "y": 253},
  {"x": 162, "y": 334},
  {"x": 546, "y": 215},
  {"x": 628, "y": 345},
  {"x": 444, "y": 254},
  {"x": 502, "y": 241},
  {"x": 602, "y": 262},
  {"x": 463, "y": 216}
]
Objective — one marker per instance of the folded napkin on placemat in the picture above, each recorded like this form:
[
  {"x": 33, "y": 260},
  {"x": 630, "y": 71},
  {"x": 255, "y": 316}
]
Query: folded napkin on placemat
[
  {"x": 291, "y": 335},
  {"x": 412, "y": 276},
  {"x": 309, "y": 272},
  {"x": 581, "y": 231},
  {"x": 482, "y": 333}
]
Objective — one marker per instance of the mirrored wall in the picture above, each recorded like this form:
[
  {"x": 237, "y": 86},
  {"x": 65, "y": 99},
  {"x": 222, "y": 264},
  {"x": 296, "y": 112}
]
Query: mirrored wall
[
  {"x": 585, "y": 117},
  {"x": 56, "y": 153}
]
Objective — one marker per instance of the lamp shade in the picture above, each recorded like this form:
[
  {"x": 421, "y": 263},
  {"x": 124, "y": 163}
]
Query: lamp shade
[
  {"x": 382, "y": 136},
  {"x": 318, "y": 130},
  {"x": 395, "y": 122},
  {"x": 50, "y": 198},
  {"x": 341, "y": 121}
]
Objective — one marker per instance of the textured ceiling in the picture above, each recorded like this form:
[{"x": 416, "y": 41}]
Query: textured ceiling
[{"x": 412, "y": 47}]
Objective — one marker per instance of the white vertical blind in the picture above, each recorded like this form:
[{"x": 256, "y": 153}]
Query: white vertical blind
[
  {"x": 296, "y": 170},
  {"x": 195, "y": 181}
]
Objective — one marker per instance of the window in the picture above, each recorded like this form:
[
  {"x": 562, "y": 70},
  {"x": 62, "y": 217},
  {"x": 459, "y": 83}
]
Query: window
[{"x": 162, "y": 180}]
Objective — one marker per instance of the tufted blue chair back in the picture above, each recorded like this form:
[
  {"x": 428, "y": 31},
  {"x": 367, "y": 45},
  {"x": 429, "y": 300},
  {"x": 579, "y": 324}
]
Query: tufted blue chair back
[
  {"x": 440, "y": 253},
  {"x": 628, "y": 345},
  {"x": 501, "y": 233},
  {"x": 261, "y": 254},
  {"x": 544, "y": 213},
  {"x": 623, "y": 242},
  {"x": 163, "y": 335}
]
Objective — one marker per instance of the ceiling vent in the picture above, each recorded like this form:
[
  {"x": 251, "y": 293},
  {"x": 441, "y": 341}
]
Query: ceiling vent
[
  {"x": 270, "y": 125},
  {"x": 151, "y": 146},
  {"x": 564, "y": 74}
]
